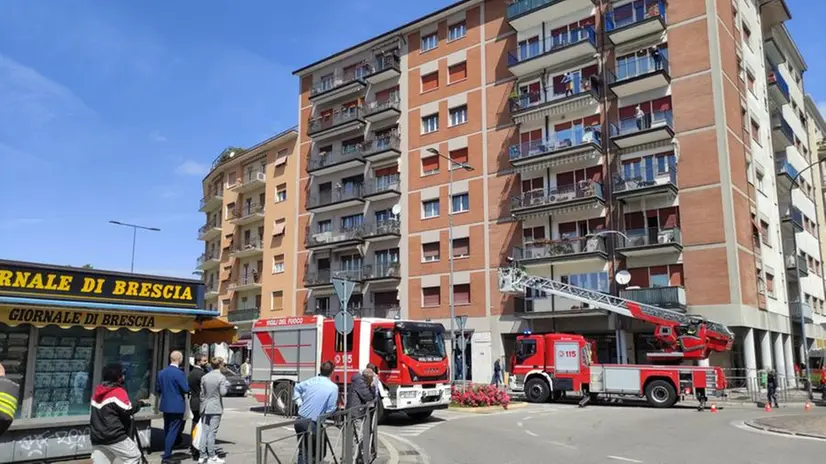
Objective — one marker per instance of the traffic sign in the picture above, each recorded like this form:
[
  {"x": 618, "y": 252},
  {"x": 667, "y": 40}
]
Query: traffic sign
[
  {"x": 344, "y": 288},
  {"x": 461, "y": 321},
  {"x": 343, "y": 322}
]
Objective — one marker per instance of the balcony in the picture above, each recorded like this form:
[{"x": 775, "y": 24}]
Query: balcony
[
  {"x": 786, "y": 173},
  {"x": 778, "y": 88},
  {"x": 376, "y": 111},
  {"x": 341, "y": 121},
  {"x": 247, "y": 214},
  {"x": 383, "y": 311},
  {"x": 782, "y": 133},
  {"x": 341, "y": 197},
  {"x": 243, "y": 315},
  {"x": 639, "y": 75},
  {"x": 209, "y": 231},
  {"x": 340, "y": 84},
  {"x": 774, "y": 54},
  {"x": 248, "y": 282},
  {"x": 382, "y": 272},
  {"x": 382, "y": 148},
  {"x": 384, "y": 68},
  {"x": 583, "y": 101},
  {"x": 586, "y": 195},
  {"x": 382, "y": 230},
  {"x": 253, "y": 179},
  {"x": 559, "y": 149},
  {"x": 382, "y": 188},
  {"x": 793, "y": 217},
  {"x": 248, "y": 248},
  {"x": 796, "y": 309},
  {"x": 570, "y": 250},
  {"x": 663, "y": 297},
  {"x": 208, "y": 261},
  {"x": 649, "y": 129},
  {"x": 551, "y": 307},
  {"x": 773, "y": 13},
  {"x": 321, "y": 163},
  {"x": 525, "y": 14},
  {"x": 556, "y": 51},
  {"x": 324, "y": 277},
  {"x": 650, "y": 242},
  {"x": 648, "y": 186},
  {"x": 343, "y": 237},
  {"x": 210, "y": 291},
  {"x": 211, "y": 201},
  {"x": 795, "y": 264},
  {"x": 627, "y": 24}
]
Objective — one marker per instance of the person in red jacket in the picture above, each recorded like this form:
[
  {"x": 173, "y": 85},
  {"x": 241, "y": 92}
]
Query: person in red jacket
[
  {"x": 111, "y": 420},
  {"x": 823, "y": 383}
]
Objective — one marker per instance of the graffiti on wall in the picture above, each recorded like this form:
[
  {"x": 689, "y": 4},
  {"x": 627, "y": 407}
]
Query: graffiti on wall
[{"x": 50, "y": 443}]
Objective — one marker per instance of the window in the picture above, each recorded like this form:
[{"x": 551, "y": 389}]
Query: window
[
  {"x": 457, "y": 72},
  {"x": 530, "y": 234},
  {"x": 138, "y": 357},
  {"x": 458, "y": 115},
  {"x": 770, "y": 285},
  {"x": 430, "y": 41},
  {"x": 760, "y": 185},
  {"x": 746, "y": 35},
  {"x": 352, "y": 221},
  {"x": 461, "y": 294},
  {"x": 430, "y": 81},
  {"x": 277, "y": 301},
  {"x": 755, "y": 131},
  {"x": 430, "y": 165},
  {"x": 279, "y": 226},
  {"x": 63, "y": 381},
  {"x": 456, "y": 31},
  {"x": 431, "y": 296},
  {"x": 461, "y": 247},
  {"x": 430, "y": 123},
  {"x": 458, "y": 157},
  {"x": 324, "y": 226},
  {"x": 281, "y": 193},
  {"x": 659, "y": 278},
  {"x": 430, "y": 208},
  {"x": 764, "y": 233},
  {"x": 277, "y": 264},
  {"x": 750, "y": 80},
  {"x": 430, "y": 252},
  {"x": 592, "y": 281},
  {"x": 461, "y": 203}
]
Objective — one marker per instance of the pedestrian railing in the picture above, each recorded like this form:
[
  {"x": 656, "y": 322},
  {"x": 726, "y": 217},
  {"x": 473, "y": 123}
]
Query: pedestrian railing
[
  {"x": 751, "y": 386},
  {"x": 344, "y": 436}
]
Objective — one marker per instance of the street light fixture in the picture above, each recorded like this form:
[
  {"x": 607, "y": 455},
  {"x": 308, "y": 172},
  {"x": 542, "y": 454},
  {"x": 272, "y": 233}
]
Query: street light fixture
[
  {"x": 135, "y": 228},
  {"x": 451, "y": 165}
]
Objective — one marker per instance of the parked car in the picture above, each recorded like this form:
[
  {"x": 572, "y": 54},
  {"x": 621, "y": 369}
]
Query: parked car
[{"x": 237, "y": 385}]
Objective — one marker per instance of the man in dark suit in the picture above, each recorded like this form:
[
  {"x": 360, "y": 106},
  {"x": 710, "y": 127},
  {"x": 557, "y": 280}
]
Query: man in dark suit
[
  {"x": 172, "y": 386},
  {"x": 194, "y": 380}
]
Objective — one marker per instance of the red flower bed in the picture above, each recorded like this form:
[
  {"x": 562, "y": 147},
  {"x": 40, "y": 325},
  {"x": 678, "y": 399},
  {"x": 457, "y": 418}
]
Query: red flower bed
[{"x": 479, "y": 395}]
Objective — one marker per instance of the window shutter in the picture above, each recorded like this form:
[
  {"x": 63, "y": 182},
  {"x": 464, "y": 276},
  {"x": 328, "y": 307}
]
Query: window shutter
[
  {"x": 430, "y": 296},
  {"x": 661, "y": 104},
  {"x": 567, "y": 228},
  {"x": 387, "y": 171},
  {"x": 538, "y": 233},
  {"x": 430, "y": 250},
  {"x": 594, "y": 173},
  {"x": 669, "y": 218},
  {"x": 627, "y": 112},
  {"x": 458, "y": 72},
  {"x": 459, "y": 156},
  {"x": 558, "y": 86},
  {"x": 431, "y": 163},
  {"x": 461, "y": 294},
  {"x": 461, "y": 247},
  {"x": 430, "y": 81},
  {"x": 639, "y": 277},
  {"x": 675, "y": 272},
  {"x": 591, "y": 121},
  {"x": 565, "y": 179},
  {"x": 634, "y": 221}
]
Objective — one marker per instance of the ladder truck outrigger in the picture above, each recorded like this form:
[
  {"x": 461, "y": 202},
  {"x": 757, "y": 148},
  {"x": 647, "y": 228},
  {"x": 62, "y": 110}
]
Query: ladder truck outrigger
[{"x": 548, "y": 366}]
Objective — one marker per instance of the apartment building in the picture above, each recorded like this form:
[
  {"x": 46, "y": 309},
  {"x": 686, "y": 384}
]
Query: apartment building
[
  {"x": 582, "y": 137},
  {"x": 817, "y": 137},
  {"x": 249, "y": 234}
]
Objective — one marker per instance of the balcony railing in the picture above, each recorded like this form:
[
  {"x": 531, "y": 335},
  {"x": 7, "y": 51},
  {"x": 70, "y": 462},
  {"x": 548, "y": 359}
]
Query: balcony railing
[
  {"x": 380, "y": 144},
  {"x": 386, "y": 227},
  {"x": 782, "y": 166},
  {"x": 379, "y": 106},
  {"x": 775, "y": 78},
  {"x": 246, "y": 211},
  {"x": 382, "y": 271},
  {"x": 340, "y": 79},
  {"x": 663, "y": 297},
  {"x": 385, "y": 311},
  {"x": 558, "y": 195},
  {"x": 563, "y": 247},
  {"x": 635, "y": 67},
  {"x": 646, "y": 237},
  {"x": 253, "y": 244},
  {"x": 338, "y": 117},
  {"x": 385, "y": 62},
  {"x": 548, "y": 45},
  {"x": 326, "y": 276},
  {"x": 614, "y": 21},
  {"x": 528, "y": 100},
  {"x": 382, "y": 184},
  {"x": 796, "y": 309},
  {"x": 556, "y": 142},
  {"x": 633, "y": 125},
  {"x": 520, "y": 7},
  {"x": 245, "y": 281},
  {"x": 630, "y": 184},
  {"x": 779, "y": 124},
  {"x": 210, "y": 288},
  {"x": 338, "y": 195},
  {"x": 207, "y": 227},
  {"x": 210, "y": 196},
  {"x": 254, "y": 175},
  {"x": 321, "y": 159},
  {"x": 243, "y": 315},
  {"x": 206, "y": 257},
  {"x": 794, "y": 215},
  {"x": 333, "y": 237},
  {"x": 792, "y": 260}
]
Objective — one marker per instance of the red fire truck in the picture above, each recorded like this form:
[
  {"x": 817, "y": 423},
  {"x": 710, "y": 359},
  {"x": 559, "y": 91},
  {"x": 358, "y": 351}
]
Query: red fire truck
[
  {"x": 410, "y": 356},
  {"x": 548, "y": 366}
]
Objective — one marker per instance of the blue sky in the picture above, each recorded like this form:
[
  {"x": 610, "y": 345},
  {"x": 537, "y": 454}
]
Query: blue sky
[{"x": 114, "y": 110}]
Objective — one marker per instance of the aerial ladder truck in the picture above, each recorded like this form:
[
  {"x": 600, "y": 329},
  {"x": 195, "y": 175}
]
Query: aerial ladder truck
[{"x": 548, "y": 366}]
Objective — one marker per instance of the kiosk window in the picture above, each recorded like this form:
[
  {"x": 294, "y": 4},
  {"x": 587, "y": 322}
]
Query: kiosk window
[{"x": 63, "y": 372}]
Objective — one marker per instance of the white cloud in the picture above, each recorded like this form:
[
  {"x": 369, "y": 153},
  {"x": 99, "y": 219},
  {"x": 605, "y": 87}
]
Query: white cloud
[
  {"x": 192, "y": 168},
  {"x": 156, "y": 136}
]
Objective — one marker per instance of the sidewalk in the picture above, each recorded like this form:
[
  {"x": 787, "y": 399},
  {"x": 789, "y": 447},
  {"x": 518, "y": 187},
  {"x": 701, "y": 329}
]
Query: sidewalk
[{"x": 812, "y": 425}]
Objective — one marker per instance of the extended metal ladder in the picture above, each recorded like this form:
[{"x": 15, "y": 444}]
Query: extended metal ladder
[{"x": 514, "y": 280}]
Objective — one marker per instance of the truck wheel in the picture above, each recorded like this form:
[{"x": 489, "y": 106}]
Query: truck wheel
[
  {"x": 537, "y": 390},
  {"x": 419, "y": 416},
  {"x": 660, "y": 394},
  {"x": 281, "y": 400},
  {"x": 557, "y": 395}
]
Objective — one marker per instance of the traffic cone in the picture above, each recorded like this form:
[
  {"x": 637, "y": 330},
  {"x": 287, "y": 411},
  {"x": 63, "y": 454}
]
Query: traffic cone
[
  {"x": 768, "y": 407},
  {"x": 807, "y": 407},
  {"x": 713, "y": 407}
]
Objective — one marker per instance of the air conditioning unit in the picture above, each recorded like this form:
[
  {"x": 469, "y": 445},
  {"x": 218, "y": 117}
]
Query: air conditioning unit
[{"x": 666, "y": 236}]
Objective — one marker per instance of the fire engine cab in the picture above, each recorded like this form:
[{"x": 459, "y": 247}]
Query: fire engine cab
[{"x": 410, "y": 356}]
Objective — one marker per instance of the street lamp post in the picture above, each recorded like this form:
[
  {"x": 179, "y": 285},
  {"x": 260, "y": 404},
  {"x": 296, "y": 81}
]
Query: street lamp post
[
  {"x": 621, "y": 357},
  {"x": 135, "y": 228},
  {"x": 451, "y": 165}
]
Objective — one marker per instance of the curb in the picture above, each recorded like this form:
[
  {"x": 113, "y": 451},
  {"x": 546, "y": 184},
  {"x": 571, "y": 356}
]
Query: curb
[
  {"x": 487, "y": 409},
  {"x": 402, "y": 450},
  {"x": 792, "y": 433}
]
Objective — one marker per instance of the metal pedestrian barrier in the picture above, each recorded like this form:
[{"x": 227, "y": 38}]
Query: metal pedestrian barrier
[
  {"x": 346, "y": 436},
  {"x": 750, "y": 386}
]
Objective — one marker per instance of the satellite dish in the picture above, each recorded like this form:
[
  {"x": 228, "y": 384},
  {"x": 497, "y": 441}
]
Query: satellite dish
[
  {"x": 623, "y": 277},
  {"x": 396, "y": 209}
]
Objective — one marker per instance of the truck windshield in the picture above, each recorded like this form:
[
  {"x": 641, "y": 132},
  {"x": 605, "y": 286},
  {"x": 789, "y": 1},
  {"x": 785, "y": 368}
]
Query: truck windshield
[{"x": 423, "y": 344}]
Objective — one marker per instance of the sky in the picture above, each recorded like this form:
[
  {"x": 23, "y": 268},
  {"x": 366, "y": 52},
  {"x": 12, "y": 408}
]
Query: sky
[{"x": 114, "y": 110}]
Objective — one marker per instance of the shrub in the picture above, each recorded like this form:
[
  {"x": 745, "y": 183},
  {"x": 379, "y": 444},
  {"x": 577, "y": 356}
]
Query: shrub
[{"x": 479, "y": 395}]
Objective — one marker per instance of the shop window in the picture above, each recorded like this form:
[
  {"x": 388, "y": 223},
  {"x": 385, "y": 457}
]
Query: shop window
[
  {"x": 14, "y": 353},
  {"x": 63, "y": 372},
  {"x": 134, "y": 351}
]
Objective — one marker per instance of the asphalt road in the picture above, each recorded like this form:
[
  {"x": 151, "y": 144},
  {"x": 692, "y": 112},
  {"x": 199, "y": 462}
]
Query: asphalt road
[{"x": 604, "y": 434}]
